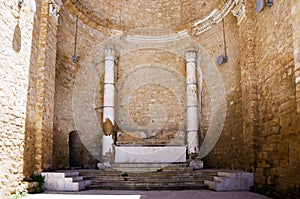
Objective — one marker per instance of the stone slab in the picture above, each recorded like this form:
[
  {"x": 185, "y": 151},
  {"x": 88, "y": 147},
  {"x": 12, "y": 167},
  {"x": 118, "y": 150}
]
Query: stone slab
[
  {"x": 196, "y": 164},
  {"x": 166, "y": 154}
]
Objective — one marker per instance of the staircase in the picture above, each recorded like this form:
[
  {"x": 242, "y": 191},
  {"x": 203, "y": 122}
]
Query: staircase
[
  {"x": 64, "y": 181},
  {"x": 231, "y": 181},
  {"x": 147, "y": 176}
]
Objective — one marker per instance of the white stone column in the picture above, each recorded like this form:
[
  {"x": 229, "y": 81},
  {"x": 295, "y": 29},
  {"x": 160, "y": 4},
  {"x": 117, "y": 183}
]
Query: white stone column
[
  {"x": 192, "y": 104},
  {"x": 199, "y": 75},
  {"x": 109, "y": 98}
]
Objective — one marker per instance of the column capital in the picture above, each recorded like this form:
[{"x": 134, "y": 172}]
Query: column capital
[
  {"x": 109, "y": 52},
  {"x": 190, "y": 55}
]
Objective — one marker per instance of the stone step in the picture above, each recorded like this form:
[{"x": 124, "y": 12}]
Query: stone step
[
  {"x": 165, "y": 179},
  {"x": 148, "y": 187},
  {"x": 162, "y": 182},
  {"x": 144, "y": 178},
  {"x": 150, "y": 142},
  {"x": 71, "y": 173},
  {"x": 77, "y": 178},
  {"x": 78, "y": 186},
  {"x": 64, "y": 181},
  {"x": 219, "y": 179},
  {"x": 231, "y": 181},
  {"x": 211, "y": 184},
  {"x": 154, "y": 176},
  {"x": 147, "y": 169},
  {"x": 60, "y": 174},
  {"x": 147, "y": 165},
  {"x": 147, "y": 174},
  {"x": 150, "y": 174}
]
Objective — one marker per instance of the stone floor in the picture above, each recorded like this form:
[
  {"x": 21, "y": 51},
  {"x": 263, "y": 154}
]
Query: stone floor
[{"x": 112, "y": 194}]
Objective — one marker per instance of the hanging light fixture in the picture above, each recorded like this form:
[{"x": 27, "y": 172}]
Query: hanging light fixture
[
  {"x": 261, "y": 4},
  {"x": 223, "y": 58},
  {"x": 74, "y": 58}
]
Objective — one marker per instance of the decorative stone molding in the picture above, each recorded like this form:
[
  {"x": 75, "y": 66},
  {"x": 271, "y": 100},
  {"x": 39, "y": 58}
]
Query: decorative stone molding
[
  {"x": 191, "y": 56},
  {"x": 109, "y": 53},
  {"x": 54, "y": 8},
  {"x": 213, "y": 18},
  {"x": 200, "y": 25},
  {"x": 239, "y": 11}
]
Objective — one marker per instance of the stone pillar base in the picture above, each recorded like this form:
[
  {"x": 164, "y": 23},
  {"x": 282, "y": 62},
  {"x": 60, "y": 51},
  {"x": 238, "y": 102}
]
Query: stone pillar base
[
  {"x": 103, "y": 165},
  {"x": 196, "y": 164}
]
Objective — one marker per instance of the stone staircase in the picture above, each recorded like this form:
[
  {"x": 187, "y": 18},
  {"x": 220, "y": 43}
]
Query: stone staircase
[
  {"x": 64, "y": 181},
  {"x": 148, "y": 176},
  {"x": 231, "y": 181}
]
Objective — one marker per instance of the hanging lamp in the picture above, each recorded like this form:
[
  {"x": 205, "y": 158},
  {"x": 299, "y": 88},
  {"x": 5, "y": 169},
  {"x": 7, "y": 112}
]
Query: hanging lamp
[
  {"x": 74, "y": 58},
  {"x": 223, "y": 58}
]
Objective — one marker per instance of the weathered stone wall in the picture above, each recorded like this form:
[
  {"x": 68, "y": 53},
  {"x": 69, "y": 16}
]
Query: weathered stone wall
[
  {"x": 248, "y": 85},
  {"x": 157, "y": 101},
  {"x": 16, "y": 28},
  {"x": 40, "y": 104},
  {"x": 261, "y": 80},
  {"x": 126, "y": 15},
  {"x": 66, "y": 72},
  {"x": 228, "y": 152},
  {"x": 295, "y": 14},
  {"x": 278, "y": 159}
]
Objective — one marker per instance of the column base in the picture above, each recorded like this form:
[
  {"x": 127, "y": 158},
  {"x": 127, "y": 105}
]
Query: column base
[{"x": 196, "y": 164}]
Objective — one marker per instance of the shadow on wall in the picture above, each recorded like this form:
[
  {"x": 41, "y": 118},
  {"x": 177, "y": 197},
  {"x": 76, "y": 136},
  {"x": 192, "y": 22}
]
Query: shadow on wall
[{"x": 79, "y": 157}]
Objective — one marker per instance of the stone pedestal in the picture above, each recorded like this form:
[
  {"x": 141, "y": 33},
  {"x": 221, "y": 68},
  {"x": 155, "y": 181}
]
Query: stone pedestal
[{"x": 196, "y": 164}]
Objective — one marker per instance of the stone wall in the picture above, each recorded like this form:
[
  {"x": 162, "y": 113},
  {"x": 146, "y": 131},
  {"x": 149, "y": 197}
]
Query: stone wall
[
  {"x": 278, "y": 159},
  {"x": 40, "y": 104},
  {"x": 248, "y": 85},
  {"x": 128, "y": 15},
  {"x": 261, "y": 80},
  {"x": 295, "y": 14},
  {"x": 66, "y": 72},
  {"x": 228, "y": 152},
  {"x": 157, "y": 101},
  {"x": 16, "y": 26}
]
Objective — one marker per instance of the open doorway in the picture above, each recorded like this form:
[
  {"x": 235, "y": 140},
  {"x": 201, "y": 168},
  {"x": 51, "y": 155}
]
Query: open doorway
[{"x": 75, "y": 150}]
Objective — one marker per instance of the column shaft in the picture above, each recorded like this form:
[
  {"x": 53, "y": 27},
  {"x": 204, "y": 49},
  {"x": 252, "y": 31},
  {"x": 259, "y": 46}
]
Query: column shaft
[
  {"x": 192, "y": 104},
  {"x": 108, "y": 100}
]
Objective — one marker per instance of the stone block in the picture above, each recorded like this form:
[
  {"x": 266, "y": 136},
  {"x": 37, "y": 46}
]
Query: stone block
[
  {"x": 166, "y": 154},
  {"x": 63, "y": 181},
  {"x": 100, "y": 166},
  {"x": 196, "y": 164},
  {"x": 271, "y": 180}
]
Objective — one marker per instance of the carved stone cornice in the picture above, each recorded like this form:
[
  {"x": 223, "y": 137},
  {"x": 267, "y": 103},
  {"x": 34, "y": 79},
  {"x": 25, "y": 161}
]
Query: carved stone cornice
[{"x": 239, "y": 11}]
